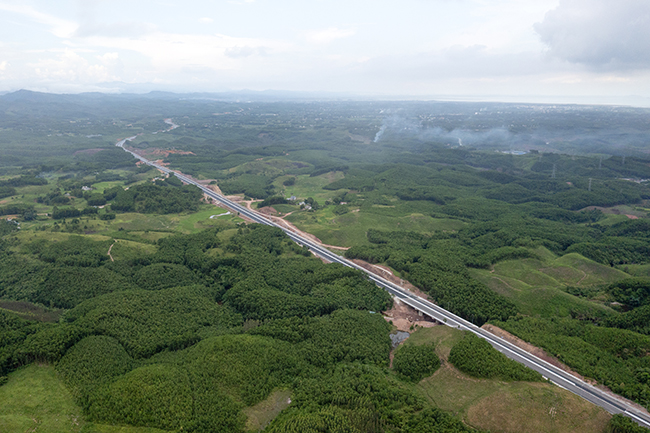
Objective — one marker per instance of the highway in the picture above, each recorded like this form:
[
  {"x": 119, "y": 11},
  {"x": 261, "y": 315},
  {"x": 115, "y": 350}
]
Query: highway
[{"x": 549, "y": 371}]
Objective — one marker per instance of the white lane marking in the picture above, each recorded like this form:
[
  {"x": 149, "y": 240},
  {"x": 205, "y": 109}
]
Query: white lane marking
[
  {"x": 506, "y": 348},
  {"x": 638, "y": 418},
  {"x": 423, "y": 303}
]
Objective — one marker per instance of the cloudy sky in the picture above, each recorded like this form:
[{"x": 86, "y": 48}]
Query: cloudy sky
[{"x": 523, "y": 49}]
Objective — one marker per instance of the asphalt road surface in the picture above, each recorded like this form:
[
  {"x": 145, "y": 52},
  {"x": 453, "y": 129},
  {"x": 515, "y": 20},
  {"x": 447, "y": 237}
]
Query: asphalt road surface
[{"x": 554, "y": 374}]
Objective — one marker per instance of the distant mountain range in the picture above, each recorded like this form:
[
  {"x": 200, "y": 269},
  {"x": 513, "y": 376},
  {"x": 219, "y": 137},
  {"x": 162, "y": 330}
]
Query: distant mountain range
[
  {"x": 246, "y": 95},
  {"x": 234, "y": 96}
]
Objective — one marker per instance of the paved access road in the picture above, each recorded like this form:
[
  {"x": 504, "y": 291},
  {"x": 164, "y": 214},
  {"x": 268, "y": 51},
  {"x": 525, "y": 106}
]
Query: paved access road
[{"x": 549, "y": 371}]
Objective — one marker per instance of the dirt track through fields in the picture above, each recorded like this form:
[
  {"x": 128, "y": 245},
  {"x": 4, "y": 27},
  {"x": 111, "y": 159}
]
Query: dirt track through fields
[{"x": 110, "y": 249}]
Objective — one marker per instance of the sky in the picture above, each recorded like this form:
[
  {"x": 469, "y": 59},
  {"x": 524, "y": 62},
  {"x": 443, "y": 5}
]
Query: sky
[{"x": 526, "y": 50}]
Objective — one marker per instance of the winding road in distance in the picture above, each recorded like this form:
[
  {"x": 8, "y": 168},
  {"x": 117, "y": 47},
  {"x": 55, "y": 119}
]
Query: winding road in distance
[{"x": 552, "y": 373}]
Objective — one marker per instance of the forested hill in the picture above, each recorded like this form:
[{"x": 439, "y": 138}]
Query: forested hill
[
  {"x": 142, "y": 296},
  {"x": 210, "y": 324}
]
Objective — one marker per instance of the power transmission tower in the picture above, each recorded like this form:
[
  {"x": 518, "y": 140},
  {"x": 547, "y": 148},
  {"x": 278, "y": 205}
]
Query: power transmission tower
[
  {"x": 553, "y": 175},
  {"x": 589, "y": 184}
]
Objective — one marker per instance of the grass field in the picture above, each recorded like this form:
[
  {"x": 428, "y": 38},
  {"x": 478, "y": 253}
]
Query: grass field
[
  {"x": 350, "y": 229},
  {"x": 34, "y": 400},
  {"x": 184, "y": 223},
  {"x": 136, "y": 232},
  {"x": 140, "y": 223},
  {"x": 29, "y": 194},
  {"x": 638, "y": 270},
  {"x": 503, "y": 406},
  {"x": 129, "y": 250},
  {"x": 28, "y": 235},
  {"x": 611, "y": 219},
  {"x": 535, "y": 285},
  {"x": 307, "y": 186},
  {"x": 264, "y": 412},
  {"x": 101, "y": 186}
]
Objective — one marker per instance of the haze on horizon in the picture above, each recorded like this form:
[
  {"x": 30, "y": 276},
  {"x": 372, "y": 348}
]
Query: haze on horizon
[{"x": 595, "y": 51}]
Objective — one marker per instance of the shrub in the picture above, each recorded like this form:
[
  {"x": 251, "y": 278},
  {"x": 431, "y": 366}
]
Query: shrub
[
  {"x": 623, "y": 424},
  {"x": 164, "y": 275},
  {"x": 416, "y": 362},
  {"x": 92, "y": 361},
  {"x": 153, "y": 396},
  {"x": 476, "y": 357}
]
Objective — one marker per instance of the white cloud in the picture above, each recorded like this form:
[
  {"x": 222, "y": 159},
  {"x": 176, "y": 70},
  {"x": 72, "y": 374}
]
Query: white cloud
[
  {"x": 602, "y": 34},
  {"x": 464, "y": 46},
  {"x": 120, "y": 29},
  {"x": 168, "y": 52},
  {"x": 328, "y": 35},
  {"x": 241, "y": 52},
  {"x": 468, "y": 62},
  {"x": 109, "y": 58},
  {"x": 69, "y": 66},
  {"x": 59, "y": 27},
  {"x": 487, "y": 23}
]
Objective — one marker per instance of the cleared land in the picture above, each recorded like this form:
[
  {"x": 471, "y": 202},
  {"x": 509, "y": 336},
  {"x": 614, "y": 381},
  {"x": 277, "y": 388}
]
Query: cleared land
[
  {"x": 265, "y": 411},
  {"x": 503, "y": 406},
  {"x": 535, "y": 285},
  {"x": 34, "y": 400}
]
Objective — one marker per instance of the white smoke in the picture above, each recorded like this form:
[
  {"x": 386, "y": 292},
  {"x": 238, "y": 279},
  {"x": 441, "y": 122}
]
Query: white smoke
[
  {"x": 399, "y": 125},
  {"x": 610, "y": 141},
  {"x": 379, "y": 133}
]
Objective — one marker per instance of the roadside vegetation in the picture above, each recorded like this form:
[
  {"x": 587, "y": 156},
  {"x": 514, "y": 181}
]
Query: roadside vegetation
[{"x": 128, "y": 294}]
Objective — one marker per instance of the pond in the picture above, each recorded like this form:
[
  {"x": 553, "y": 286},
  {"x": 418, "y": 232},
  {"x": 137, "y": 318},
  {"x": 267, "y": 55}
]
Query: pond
[{"x": 398, "y": 337}]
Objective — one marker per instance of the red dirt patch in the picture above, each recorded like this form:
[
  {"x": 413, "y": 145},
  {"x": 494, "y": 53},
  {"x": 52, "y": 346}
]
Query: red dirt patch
[
  {"x": 295, "y": 229},
  {"x": 267, "y": 210},
  {"x": 632, "y": 217},
  {"x": 206, "y": 183},
  {"x": 161, "y": 162},
  {"x": 404, "y": 316},
  {"x": 387, "y": 273}
]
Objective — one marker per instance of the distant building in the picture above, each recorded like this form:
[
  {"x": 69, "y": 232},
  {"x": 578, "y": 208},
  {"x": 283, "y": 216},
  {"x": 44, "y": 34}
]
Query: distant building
[{"x": 86, "y": 188}]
